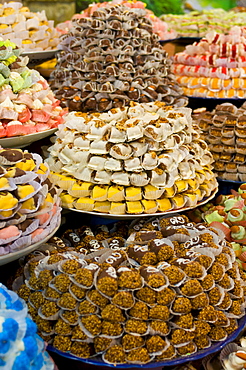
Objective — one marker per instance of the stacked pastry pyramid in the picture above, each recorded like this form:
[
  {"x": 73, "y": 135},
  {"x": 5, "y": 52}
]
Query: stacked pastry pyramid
[
  {"x": 28, "y": 30},
  {"x": 140, "y": 159},
  {"x": 27, "y": 104},
  {"x": 29, "y": 203},
  {"x": 224, "y": 131},
  {"x": 215, "y": 67},
  {"x": 111, "y": 58}
]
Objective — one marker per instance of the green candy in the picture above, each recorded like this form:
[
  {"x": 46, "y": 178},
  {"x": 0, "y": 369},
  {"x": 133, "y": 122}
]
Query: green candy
[
  {"x": 214, "y": 216},
  {"x": 232, "y": 218},
  {"x": 241, "y": 234},
  {"x": 16, "y": 81},
  {"x": 229, "y": 203}
]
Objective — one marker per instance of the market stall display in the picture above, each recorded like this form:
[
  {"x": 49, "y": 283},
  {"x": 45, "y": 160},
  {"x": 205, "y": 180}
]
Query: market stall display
[
  {"x": 159, "y": 27},
  {"x": 21, "y": 347},
  {"x": 145, "y": 158},
  {"x": 29, "y": 203},
  {"x": 28, "y": 30},
  {"x": 197, "y": 24},
  {"x": 27, "y": 104},
  {"x": 171, "y": 289},
  {"x": 213, "y": 67},
  {"x": 224, "y": 131},
  {"x": 113, "y": 58}
]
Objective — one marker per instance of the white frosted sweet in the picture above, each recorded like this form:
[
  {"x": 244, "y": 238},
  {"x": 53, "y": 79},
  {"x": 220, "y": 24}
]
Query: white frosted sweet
[
  {"x": 96, "y": 163},
  {"x": 132, "y": 165},
  {"x": 120, "y": 178},
  {"x": 233, "y": 362},
  {"x": 113, "y": 164}
]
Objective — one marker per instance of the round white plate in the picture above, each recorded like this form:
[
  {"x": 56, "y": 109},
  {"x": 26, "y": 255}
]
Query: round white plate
[
  {"x": 23, "y": 252},
  {"x": 132, "y": 216},
  {"x": 22, "y": 141}
]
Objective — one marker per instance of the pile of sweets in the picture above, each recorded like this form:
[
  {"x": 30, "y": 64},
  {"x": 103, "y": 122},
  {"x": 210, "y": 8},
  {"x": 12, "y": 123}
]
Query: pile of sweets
[
  {"x": 172, "y": 289},
  {"x": 29, "y": 203},
  {"x": 228, "y": 213},
  {"x": 111, "y": 58},
  {"x": 27, "y": 104},
  {"x": 145, "y": 158},
  {"x": 224, "y": 130},
  {"x": 159, "y": 27},
  {"x": 215, "y": 67},
  {"x": 21, "y": 347},
  {"x": 197, "y": 24},
  {"x": 29, "y": 31}
]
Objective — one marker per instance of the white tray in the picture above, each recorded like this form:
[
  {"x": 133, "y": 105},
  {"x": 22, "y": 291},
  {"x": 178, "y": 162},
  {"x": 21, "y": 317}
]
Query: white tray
[
  {"x": 23, "y": 252},
  {"x": 132, "y": 216},
  {"x": 25, "y": 140}
]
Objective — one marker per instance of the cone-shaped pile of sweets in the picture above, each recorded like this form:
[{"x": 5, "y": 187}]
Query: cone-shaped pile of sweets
[
  {"x": 172, "y": 289},
  {"x": 21, "y": 347},
  {"x": 224, "y": 130},
  {"x": 28, "y": 30},
  {"x": 215, "y": 67},
  {"x": 27, "y": 104},
  {"x": 161, "y": 28},
  {"x": 139, "y": 159},
  {"x": 29, "y": 203},
  {"x": 111, "y": 58}
]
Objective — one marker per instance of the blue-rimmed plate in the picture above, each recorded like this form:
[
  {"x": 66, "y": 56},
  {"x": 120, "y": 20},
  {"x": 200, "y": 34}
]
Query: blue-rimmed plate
[
  {"x": 230, "y": 181},
  {"x": 177, "y": 361}
]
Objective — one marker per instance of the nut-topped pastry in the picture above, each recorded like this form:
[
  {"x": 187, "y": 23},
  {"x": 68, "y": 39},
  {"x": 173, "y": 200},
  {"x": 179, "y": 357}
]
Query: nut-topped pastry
[{"x": 134, "y": 313}]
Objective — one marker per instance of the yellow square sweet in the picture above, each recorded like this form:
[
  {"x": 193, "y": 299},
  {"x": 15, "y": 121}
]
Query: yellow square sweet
[
  {"x": 67, "y": 200},
  {"x": 66, "y": 182},
  {"x": 134, "y": 207},
  {"x": 80, "y": 189},
  {"x": 150, "y": 206},
  {"x": 133, "y": 193},
  {"x": 85, "y": 204},
  {"x": 181, "y": 185},
  {"x": 116, "y": 193},
  {"x": 117, "y": 208},
  {"x": 103, "y": 207},
  {"x": 178, "y": 200},
  {"x": 152, "y": 192},
  {"x": 193, "y": 184},
  {"x": 100, "y": 193},
  {"x": 164, "y": 204},
  {"x": 170, "y": 192}
]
